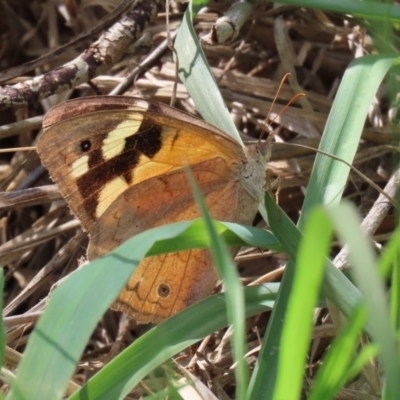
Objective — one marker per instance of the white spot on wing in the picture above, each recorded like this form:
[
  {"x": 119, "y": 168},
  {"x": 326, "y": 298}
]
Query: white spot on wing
[
  {"x": 114, "y": 143},
  {"x": 80, "y": 166},
  {"x": 109, "y": 193}
]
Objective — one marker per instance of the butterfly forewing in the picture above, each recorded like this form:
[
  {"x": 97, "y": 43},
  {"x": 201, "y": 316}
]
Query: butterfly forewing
[{"x": 96, "y": 156}]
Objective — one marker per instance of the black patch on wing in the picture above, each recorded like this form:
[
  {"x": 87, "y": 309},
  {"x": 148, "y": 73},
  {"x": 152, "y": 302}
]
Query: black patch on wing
[{"x": 147, "y": 141}]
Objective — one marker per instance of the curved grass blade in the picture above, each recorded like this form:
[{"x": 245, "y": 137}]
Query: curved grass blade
[
  {"x": 194, "y": 237},
  {"x": 343, "y": 130},
  {"x": 363, "y": 259},
  {"x": 233, "y": 290},
  {"x": 296, "y": 334},
  {"x": 198, "y": 80},
  {"x": 337, "y": 365}
]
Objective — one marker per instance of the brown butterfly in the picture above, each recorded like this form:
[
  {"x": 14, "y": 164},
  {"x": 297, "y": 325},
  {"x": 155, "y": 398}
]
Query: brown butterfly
[{"x": 119, "y": 162}]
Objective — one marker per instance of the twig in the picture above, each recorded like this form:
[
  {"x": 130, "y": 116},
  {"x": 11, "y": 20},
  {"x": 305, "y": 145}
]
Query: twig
[
  {"x": 376, "y": 215},
  {"x": 50, "y": 57},
  {"x": 122, "y": 87},
  {"x": 97, "y": 59}
]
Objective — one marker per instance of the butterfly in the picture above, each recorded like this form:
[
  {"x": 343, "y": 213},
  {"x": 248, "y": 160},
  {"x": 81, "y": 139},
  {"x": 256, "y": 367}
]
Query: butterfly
[{"x": 119, "y": 162}]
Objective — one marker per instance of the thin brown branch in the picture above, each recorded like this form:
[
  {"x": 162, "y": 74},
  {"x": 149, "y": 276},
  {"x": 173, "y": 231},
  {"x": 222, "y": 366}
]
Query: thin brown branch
[{"x": 97, "y": 59}]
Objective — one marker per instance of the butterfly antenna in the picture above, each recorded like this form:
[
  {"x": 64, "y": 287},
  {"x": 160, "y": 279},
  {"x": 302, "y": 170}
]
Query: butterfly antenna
[
  {"x": 286, "y": 76},
  {"x": 292, "y": 100},
  {"x": 267, "y": 146}
]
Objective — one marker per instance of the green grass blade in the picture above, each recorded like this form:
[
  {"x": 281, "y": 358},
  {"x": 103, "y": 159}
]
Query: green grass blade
[
  {"x": 297, "y": 330},
  {"x": 343, "y": 129},
  {"x": 395, "y": 292},
  {"x": 75, "y": 306},
  {"x": 198, "y": 80},
  {"x": 390, "y": 254},
  {"x": 389, "y": 267},
  {"x": 233, "y": 289},
  {"x": 195, "y": 237},
  {"x": 363, "y": 259},
  {"x": 336, "y": 366}
]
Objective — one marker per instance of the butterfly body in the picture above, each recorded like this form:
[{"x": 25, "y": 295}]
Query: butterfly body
[{"x": 119, "y": 162}]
